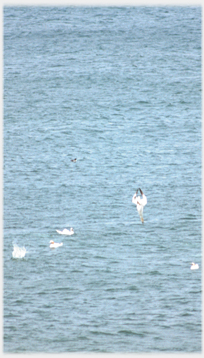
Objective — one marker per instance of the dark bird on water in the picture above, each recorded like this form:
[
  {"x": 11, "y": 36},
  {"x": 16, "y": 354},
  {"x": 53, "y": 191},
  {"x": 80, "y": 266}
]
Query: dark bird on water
[{"x": 74, "y": 160}]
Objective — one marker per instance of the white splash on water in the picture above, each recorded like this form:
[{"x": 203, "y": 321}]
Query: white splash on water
[{"x": 18, "y": 252}]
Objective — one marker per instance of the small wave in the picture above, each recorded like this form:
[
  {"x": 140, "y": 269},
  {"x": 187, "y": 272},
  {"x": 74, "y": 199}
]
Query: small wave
[
  {"x": 128, "y": 332},
  {"x": 18, "y": 252}
]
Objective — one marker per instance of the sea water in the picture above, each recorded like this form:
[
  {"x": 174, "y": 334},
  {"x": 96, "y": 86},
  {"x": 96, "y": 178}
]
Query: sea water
[{"x": 118, "y": 88}]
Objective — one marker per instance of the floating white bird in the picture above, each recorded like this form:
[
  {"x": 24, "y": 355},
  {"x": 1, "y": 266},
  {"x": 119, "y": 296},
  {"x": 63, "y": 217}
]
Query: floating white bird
[
  {"x": 140, "y": 202},
  {"x": 18, "y": 252},
  {"x": 66, "y": 232},
  {"x": 194, "y": 266},
  {"x": 54, "y": 245}
]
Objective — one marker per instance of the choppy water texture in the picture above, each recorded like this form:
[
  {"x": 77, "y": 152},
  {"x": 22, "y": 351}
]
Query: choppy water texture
[{"x": 120, "y": 90}]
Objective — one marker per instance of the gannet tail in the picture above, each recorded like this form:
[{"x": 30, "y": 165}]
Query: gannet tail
[{"x": 59, "y": 232}]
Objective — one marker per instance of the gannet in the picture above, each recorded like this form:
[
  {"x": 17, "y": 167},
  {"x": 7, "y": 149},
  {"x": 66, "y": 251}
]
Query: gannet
[
  {"x": 140, "y": 202},
  {"x": 194, "y": 266},
  {"x": 18, "y": 252},
  {"x": 66, "y": 232},
  {"x": 53, "y": 244}
]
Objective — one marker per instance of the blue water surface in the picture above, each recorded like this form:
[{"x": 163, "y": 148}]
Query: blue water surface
[{"x": 118, "y": 88}]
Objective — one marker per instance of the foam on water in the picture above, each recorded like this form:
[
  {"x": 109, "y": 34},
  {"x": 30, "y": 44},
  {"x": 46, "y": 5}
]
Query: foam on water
[{"x": 18, "y": 252}]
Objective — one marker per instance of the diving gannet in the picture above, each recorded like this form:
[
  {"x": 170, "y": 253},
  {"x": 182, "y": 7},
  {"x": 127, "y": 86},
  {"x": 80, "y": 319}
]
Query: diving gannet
[{"x": 140, "y": 202}]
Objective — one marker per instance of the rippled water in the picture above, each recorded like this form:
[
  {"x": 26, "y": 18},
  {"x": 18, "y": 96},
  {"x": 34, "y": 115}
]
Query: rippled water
[{"x": 120, "y": 90}]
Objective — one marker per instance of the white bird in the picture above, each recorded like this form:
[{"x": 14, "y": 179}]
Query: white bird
[
  {"x": 194, "y": 266},
  {"x": 140, "y": 202},
  {"x": 66, "y": 232},
  {"x": 54, "y": 245},
  {"x": 18, "y": 252}
]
